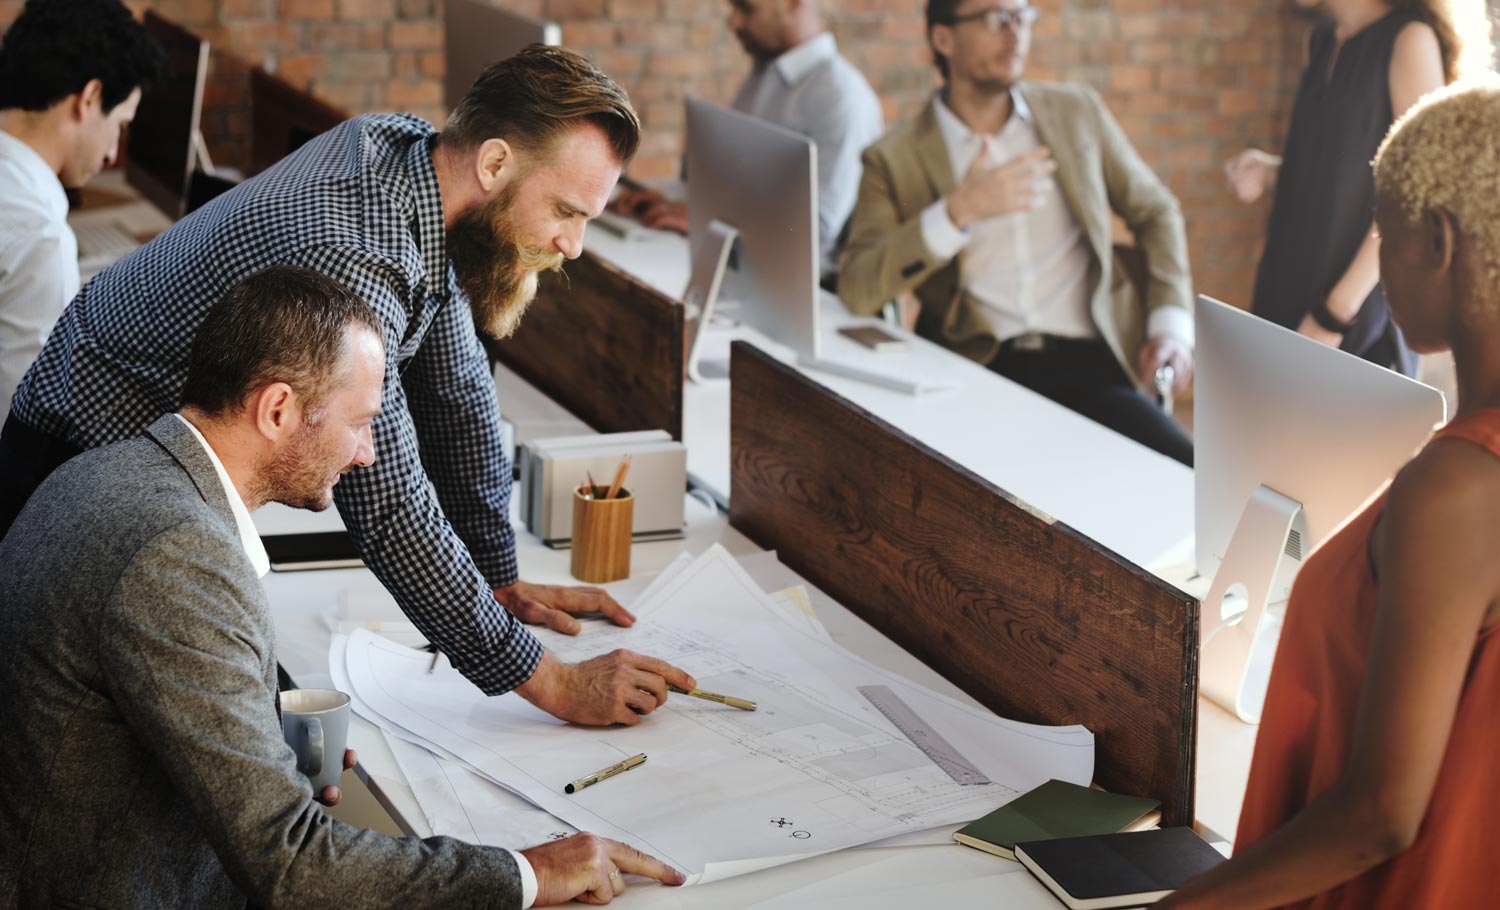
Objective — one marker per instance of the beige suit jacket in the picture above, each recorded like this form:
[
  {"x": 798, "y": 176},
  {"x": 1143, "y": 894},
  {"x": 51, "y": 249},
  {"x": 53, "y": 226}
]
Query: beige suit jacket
[{"x": 1098, "y": 171}]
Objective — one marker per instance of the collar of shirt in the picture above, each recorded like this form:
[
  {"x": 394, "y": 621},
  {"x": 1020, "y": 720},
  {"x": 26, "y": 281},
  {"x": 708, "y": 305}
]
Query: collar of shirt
[
  {"x": 249, "y": 537},
  {"x": 432, "y": 235},
  {"x": 957, "y": 134},
  {"x": 36, "y": 178},
  {"x": 795, "y": 64}
]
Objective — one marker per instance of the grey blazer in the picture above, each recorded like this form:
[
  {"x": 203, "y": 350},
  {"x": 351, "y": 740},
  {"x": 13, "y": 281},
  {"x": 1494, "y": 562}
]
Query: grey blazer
[{"x": 141, "y": 758}]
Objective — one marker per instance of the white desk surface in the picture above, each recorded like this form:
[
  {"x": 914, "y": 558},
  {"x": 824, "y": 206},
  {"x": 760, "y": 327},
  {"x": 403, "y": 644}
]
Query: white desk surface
[
  {"x": 301, "y": 600},
  {"x": 1117, "y": 492},
  {"x": 949, "y": 876},
  {"x": 880, "y": 877}
]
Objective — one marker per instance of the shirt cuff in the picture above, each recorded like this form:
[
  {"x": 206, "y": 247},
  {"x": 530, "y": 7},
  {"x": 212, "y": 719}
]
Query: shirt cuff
[
  {"x": 1173, "y": 321},
  {"x": 940, "y": 234},
  {"x": 528, "y": 880}
]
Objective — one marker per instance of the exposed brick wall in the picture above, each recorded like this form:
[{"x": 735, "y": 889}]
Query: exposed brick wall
[{"x": 1192, "y": 81}]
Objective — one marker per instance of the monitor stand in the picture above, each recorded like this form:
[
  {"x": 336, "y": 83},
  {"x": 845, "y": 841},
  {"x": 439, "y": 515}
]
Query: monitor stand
[
  {"x": 709, "y": 263},
  {"x": 1234, "y": 661}
]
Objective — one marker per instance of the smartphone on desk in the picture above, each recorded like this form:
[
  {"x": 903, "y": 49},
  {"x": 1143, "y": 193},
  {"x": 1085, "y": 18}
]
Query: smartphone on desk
[{"x": 874, "y": 337}]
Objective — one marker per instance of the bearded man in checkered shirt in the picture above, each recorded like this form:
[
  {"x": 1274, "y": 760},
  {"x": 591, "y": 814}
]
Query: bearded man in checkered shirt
[{"x": 438, "y": 231}]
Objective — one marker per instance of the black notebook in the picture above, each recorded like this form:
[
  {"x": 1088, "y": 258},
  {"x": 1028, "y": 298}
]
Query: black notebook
[
  {"x": 1118, "y": 870},
  {"x": 322, "y": 550},
  {"x": 1057, "y": 809}
]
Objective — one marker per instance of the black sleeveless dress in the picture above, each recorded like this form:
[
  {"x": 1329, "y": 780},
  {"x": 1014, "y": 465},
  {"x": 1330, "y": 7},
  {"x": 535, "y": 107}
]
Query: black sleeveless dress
[{"x": 1325, "y": 191}]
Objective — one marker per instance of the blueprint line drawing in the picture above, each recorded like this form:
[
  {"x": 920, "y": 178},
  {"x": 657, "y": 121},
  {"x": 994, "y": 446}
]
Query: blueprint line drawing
[{"x": 827, "y": 762}]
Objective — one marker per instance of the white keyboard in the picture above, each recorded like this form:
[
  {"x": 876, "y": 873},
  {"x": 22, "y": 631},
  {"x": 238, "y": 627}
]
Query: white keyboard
[
  {"x": 895, "y": 380},
  {"x": 101, "y": 243}
]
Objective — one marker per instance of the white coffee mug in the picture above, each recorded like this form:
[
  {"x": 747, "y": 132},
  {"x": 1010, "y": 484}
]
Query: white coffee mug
[{"x": 315, "y": 723}]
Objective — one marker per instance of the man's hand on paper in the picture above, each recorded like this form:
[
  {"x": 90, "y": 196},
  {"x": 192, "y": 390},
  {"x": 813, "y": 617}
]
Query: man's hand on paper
[
  {"x": 551, "y": 605},
  {"x": 591, "y": 869},
  {"x": 620, "y": 687}
]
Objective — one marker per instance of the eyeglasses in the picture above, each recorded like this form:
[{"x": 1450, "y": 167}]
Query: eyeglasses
[{"x": 997, "y": 17}]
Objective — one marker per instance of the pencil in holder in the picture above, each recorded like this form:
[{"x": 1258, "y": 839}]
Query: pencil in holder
[{"x": 601, "y": 535}]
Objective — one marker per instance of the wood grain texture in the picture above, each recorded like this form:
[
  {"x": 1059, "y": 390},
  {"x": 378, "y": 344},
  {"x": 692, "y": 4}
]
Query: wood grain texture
[
  {"x": 605, "y": 346},
  {"x": 601, "y": 537},
  {"x": 1030, "y": 617}
]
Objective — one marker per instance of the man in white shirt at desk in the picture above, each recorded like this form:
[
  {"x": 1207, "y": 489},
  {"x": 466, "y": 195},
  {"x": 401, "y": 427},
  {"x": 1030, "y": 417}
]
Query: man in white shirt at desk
[
  {"x": 801, "y": 82},
  {"x": 993, "y": 207},
  {"x": 71, "y": 75}
]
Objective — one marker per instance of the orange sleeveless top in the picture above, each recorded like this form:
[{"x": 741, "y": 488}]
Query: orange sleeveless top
[{"x": 1308, "y": 724}]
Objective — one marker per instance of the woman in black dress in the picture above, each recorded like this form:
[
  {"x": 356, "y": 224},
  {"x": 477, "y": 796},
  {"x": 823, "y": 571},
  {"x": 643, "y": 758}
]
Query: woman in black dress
[{"x": 1368, "y": 61}]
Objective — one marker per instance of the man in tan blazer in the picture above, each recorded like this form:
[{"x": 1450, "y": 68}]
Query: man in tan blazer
[{"x": 1012, "y": 262}]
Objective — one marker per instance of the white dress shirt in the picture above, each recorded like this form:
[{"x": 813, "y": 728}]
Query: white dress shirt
[
  {"x": 38, "y": 259},
  {"x": 256, "y": 551},
  {"x": 1028, "y": 270},
  {"x": 814, "y": 91},
  {"x": 249, "y": 537}
]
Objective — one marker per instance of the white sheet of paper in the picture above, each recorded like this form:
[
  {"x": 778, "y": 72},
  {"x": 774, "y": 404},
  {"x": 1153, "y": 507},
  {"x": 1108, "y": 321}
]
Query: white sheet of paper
[
  {"x": 724, "y": 791},
  {"x": 460, "y": 803}
]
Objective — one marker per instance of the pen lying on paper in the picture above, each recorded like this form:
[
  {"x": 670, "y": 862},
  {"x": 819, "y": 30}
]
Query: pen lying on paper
[
  {"x": 435, "y": 655},
  {"x": 611, "y": 771},
  {"x": 729, "y": 700}
]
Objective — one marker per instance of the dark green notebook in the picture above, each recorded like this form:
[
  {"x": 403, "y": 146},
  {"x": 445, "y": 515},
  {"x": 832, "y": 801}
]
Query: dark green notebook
[{"x": 1057, "y": 809}]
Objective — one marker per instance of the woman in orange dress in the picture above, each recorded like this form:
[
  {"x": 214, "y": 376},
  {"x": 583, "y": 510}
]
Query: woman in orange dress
[{"x": 1376, "y": 773}]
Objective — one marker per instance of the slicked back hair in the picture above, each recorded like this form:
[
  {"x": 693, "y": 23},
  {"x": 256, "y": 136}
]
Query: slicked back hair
[
  {"x": 281, "y": 324},
  {"x": 533, "y": 98},
  {"x": 940, "y": 12}
]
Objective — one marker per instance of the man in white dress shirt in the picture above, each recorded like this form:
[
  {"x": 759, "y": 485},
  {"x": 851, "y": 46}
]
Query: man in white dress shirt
[
  {"x": 801, "y": 82},
  {"x": 71, "y": 75},
  {"x": 993, "y": 207}
]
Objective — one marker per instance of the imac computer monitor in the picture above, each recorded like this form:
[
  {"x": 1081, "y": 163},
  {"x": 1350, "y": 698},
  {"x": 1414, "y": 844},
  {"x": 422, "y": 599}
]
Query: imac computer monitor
[
  {"x": 161, "y": 153},
  {"x": 283, "y": 118},
  {"x": 477, "y": 34},
  {"x": 1291, "y": 437},
  {"x": 759, "y": 182}
]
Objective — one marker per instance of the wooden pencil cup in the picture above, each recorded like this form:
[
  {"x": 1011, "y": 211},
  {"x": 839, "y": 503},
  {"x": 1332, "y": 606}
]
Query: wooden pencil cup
[{"x": 601, "y": 535}]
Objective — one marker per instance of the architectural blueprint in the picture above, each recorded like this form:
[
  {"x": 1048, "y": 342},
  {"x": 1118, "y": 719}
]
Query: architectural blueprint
[{"x": 723, "y": 791}]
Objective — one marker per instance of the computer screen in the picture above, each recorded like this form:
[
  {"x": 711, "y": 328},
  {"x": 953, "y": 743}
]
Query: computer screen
[
  {"x": 1291, "y": 437},
  {"x": 283, "y": 118},
  {"x": 160, "y": 152},
  {"x": 477, "y": 34},
  {"x": 761, "y": 180}
]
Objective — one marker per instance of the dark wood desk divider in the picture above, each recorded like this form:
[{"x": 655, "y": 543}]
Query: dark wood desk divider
[
  {"x": 605, "y": 346},
  {"x": 1030, "y": 617}
]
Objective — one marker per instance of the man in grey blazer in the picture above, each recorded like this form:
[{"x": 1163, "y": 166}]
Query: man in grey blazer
[
  {"x": 141, "y": 760},
  {"x": 993, "y": 209}
]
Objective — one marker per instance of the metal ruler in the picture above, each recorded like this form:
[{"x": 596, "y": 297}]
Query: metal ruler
[{"x": 923, "y": 736}]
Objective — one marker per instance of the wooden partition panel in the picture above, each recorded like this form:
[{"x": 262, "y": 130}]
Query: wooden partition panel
[
  {"x": 1033, "y": 619},
  {"x": 605, "y": 346}
]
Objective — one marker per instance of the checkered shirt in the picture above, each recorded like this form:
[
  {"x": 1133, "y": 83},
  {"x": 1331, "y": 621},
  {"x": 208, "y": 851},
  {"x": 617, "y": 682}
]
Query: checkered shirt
[{"x": 360, "y": 204}]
